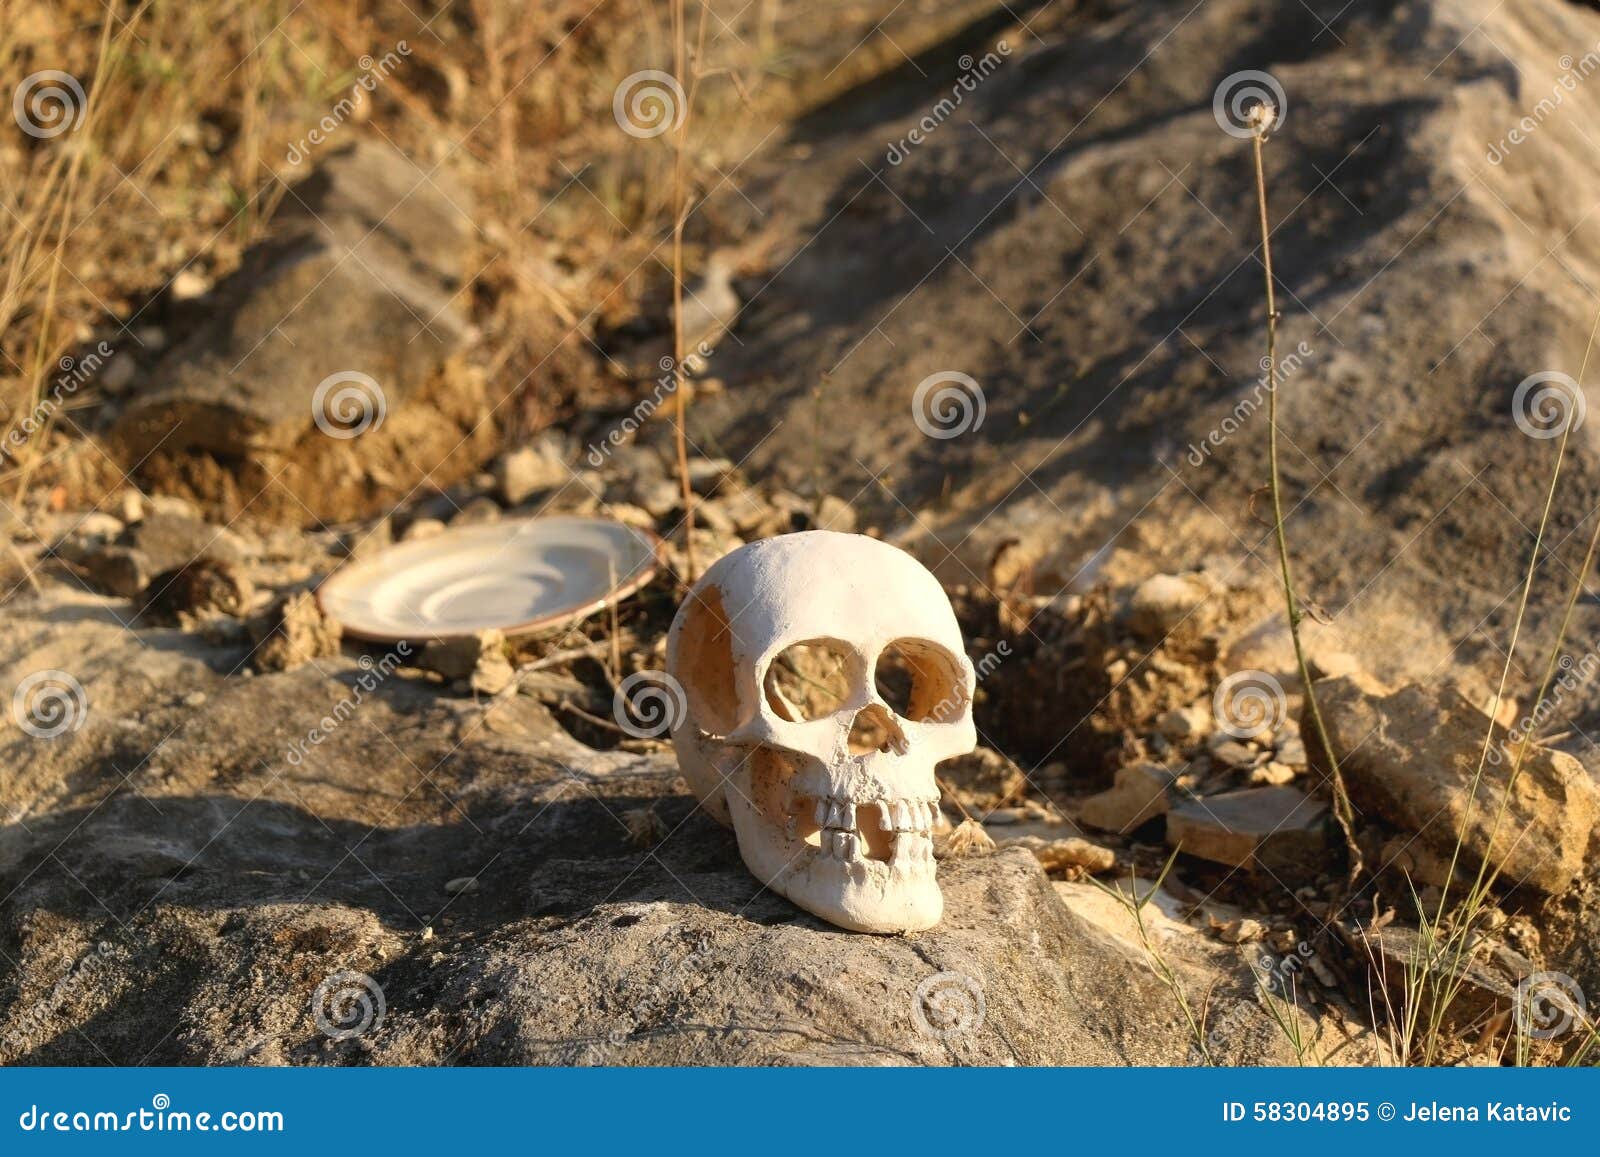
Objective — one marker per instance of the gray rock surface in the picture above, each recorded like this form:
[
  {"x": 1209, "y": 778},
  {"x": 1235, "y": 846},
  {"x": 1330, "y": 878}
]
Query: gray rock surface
[
  {"x": 1279, "y": 830},
  {"x": 358, "y": 273},
  {"x": 182, "y": 872},
  {"x": 1077, "y": 236}
]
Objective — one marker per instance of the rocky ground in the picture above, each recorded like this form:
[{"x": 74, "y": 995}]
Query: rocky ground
[{"x": 1142, "y": 862}]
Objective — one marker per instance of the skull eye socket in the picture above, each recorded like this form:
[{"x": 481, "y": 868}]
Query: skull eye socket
[
  {"x": 812, "y": 680},
  {"x": 921, "y": 681}
]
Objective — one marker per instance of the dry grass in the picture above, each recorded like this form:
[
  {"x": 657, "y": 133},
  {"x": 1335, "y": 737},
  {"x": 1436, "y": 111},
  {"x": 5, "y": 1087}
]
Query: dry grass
[
  {"x": 182, "y": 156},
  {"x": 1451, "y": 937}
]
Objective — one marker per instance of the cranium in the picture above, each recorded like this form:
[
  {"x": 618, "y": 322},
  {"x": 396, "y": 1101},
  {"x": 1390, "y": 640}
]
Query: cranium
[{"x": 824, "y": 677}]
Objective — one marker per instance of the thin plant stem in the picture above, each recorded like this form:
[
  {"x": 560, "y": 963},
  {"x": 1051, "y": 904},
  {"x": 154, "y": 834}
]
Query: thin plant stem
[
  {"x": 1342, "y": 810},
  {"x": 680, "y": 69}
]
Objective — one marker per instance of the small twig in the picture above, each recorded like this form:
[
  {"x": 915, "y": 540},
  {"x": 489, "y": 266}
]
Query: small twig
[
  {"x": 960, "y": 807},
  {"x": 562, "y": 658},
  {"x": 680, "y": 53},
  {"x": 573, "y": 709},
  {"x": 616, "y": 640}
]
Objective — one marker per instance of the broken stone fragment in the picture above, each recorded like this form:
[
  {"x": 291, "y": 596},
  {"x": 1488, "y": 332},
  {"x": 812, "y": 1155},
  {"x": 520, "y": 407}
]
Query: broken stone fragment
[
  {"x": 342, "y": 313},
  {"x": 1059, "y": 856},
  {"x": 1288, "y": 746},
  {"x": 422, "y": 528},
  {"x": 292, "y": 633},
  {"x": 117, "y": 570},
  {"x": 480, "y": 511},
  {"x": 1273, "y": 774},
  {"x": 1411, "y": 755},
  {"x": 1186, "y": 724},
  {"x": 706, "y": 474},
  {"x": 1416, "y": 861},
  {"x": 195, "y": 590},
  {"x": 1164, "y": 602},
  {"x": 1240, "y": 931},
  {"x": 967, "y": 839},
  {"x": 158, "y": 543},
  {"x": 1138, "y": 795},
  {"x": 1276, "y": 829},
  {"x": 172, "y": 540},
  {"x": 479, "y": 659},
  {"x": 1232, "y": 753},
  {"x": 1410, "y": 970},
  {"x": 530, "y": 469},
  {"x": 834, "y": 513}
]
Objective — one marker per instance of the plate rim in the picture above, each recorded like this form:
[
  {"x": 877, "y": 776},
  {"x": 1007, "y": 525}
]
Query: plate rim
[{"x": 653, "y": 541}]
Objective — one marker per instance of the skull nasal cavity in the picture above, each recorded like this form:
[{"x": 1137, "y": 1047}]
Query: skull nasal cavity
[
  {"x": 812, "y": 680},
  {"x": 874, "y": 729}
]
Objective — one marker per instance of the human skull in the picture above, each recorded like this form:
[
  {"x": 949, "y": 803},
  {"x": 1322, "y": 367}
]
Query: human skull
[{"x": 789, "y": 652}]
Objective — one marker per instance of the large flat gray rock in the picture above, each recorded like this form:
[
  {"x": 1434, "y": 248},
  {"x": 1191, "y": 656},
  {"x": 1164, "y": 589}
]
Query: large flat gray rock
[{"x": 358, "y": 272}]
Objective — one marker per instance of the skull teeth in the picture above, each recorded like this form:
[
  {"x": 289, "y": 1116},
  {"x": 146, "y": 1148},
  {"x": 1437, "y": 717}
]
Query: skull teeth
[
  {"x": 845, "y": 846},
  {"x": 911, "y": 822},
  {"x": 911, "y": 848}
]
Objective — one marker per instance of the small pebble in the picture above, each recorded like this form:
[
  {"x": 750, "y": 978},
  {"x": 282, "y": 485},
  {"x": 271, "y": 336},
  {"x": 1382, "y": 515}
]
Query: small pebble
[
  {"x": 422, "y": 528},
  {"x": 1231, "y": 753},
  {"x": 1241, "y": 931},
  {"x": 188, "y": 285},
  {"x": 1273, "y": 773}
]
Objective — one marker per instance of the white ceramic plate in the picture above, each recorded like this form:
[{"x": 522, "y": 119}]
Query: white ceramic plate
[{"x": 518, "y": 576}]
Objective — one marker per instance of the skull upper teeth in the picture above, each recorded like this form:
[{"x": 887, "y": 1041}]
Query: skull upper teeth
[{"x": 910, "y": 821}]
